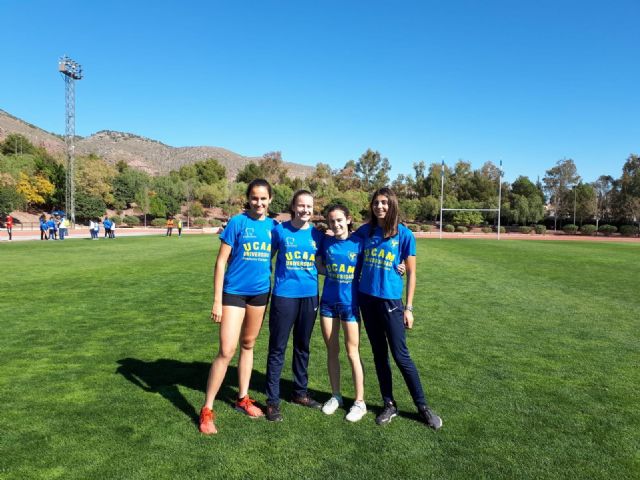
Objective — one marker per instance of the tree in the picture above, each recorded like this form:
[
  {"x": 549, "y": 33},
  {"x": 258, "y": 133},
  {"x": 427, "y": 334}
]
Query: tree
[
  {"x": 212, "y": 195},
  {"x": 35, "y": 190},
  {"x": 404, "y": 186},
  {"x": 373, "y": 170},
  {"x": 484, "y": 183},
  {"x": 461, "y": 180},
  {"x": 273, "y": 168},
  {"x": 347, "y": 179},
  {"x": 429, "y": 208},
  {"x": 557, "y": 182},
  {"x": 526, "y": 202},
  {"x": 94, "y": 177},
  {"x": 210, "y": 171},
  {"x": 250, "y": 172},
  {"x": 126, "y": 184},
  {"x": 630, "y": 188},
  {"x": 420, "y": 182},
  {"x": 282, "y": 194},
  {"x": 17, "y": 144},
  {"x": 585, "y": 198},
  {"x": 604, "y": 197},
  {"x": 89, "y": 207},
  {"x": 143, "y": 201},
  {"x": 409, "y": 208}
]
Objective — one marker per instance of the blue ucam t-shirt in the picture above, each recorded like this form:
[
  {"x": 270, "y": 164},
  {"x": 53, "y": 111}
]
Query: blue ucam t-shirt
[
  {"x": 380, "y": 258},
  {"x": 343, "y": 261},
  {"x": 249, "y": 268},
  {"x": 296, "y": 273}
]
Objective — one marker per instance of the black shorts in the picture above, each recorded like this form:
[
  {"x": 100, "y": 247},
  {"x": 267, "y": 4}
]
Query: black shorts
[{"x": 232, "y": 300}]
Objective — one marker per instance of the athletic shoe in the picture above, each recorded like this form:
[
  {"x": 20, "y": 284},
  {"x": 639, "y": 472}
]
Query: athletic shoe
[
  {"x": 387, "y": 413},
  {"x": 430, "y": 418},
  {"x": 246, "y": 406},
  {"x": 273, "y": 413},
  {"x": 306, "y": 401},
  {"x": 207, "y": 416},
  {"x": 357, "y": 411},
  {"x": 332, "y": 405}
]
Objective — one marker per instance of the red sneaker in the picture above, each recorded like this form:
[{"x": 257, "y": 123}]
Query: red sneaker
[
  {"x": 246, "y": 405},
  {"x": 207, "y": 416}
]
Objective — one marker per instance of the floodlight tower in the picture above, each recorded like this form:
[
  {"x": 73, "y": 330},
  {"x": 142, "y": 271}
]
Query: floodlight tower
[{"x": 71, "y": 72}]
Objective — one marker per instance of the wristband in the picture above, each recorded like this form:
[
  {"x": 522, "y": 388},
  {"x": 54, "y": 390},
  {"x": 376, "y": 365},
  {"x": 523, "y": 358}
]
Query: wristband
[{"x": 409, "y": 308}]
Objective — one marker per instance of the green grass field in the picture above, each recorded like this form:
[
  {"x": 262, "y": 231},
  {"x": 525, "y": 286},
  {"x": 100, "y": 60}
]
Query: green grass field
[{"x": 529, "y": 351}]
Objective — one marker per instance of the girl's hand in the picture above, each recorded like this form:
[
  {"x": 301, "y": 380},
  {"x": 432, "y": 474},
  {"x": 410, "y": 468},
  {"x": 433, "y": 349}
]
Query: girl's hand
[
  {"x": 401, "y": 269},
  {"x": 408, "y": 319},
  {"x": 216, "y": 312}
]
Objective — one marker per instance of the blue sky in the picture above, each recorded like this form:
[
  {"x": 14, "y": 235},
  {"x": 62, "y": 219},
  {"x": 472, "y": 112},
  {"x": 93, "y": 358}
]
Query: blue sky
[{"x": 526, "y": 82}]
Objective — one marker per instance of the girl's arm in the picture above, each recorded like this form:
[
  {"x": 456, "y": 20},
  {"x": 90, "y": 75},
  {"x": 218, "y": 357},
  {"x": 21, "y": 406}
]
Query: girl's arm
[
  {"x": 410, "y": 263},
  {"x": 218, "y": 281},
  {"x": 322, "y": 270}
]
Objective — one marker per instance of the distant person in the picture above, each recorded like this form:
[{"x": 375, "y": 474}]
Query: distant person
[
  {"x": 63, "y": 227},
  {"x": 96, "y": 230},
  {"x": 9, "y": 225},
  {"x": 112, "y": 234},
  {"x": 240, "y": 296},
  {"x": 179, "y": 227},
  {"x": 51, "y": 226},
  {"x": 169, "y": 226},
  {"x": 44, "y": 228},
  {"x": 106, "y": 223}
]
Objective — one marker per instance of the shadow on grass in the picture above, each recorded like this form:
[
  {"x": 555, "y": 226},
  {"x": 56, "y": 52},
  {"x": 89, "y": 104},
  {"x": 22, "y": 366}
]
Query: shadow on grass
[{"x": 164, "y": 376}]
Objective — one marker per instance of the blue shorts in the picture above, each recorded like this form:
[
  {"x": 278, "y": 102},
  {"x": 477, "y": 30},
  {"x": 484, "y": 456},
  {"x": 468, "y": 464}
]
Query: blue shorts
[{"x": 344, "y": 311}]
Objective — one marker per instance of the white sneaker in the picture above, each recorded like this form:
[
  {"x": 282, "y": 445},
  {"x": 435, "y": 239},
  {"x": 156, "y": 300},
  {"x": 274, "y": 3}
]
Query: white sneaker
[
  {"x": 332, "y": 405},
  {"x": 358, "y": 410}
]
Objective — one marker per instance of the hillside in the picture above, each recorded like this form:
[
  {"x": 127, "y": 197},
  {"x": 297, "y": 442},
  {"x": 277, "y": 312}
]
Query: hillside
[{"x": 139, "y": 152}]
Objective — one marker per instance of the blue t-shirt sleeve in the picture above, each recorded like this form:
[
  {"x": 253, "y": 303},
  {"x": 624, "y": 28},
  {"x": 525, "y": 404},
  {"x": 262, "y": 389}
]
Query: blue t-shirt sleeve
[
  {"x": 230, "y": 233},
  {"x": 407, "y": 243},
  {"x": 362, "y": 231}
]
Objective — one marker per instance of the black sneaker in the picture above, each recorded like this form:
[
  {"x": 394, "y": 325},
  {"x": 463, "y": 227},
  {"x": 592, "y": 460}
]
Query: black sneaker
[
  {"x": 390, "y": 410},
  {"x": 306, "y": 401},
  {"x": 430, "y": 418},
  {"x": 273, "y": 413}
]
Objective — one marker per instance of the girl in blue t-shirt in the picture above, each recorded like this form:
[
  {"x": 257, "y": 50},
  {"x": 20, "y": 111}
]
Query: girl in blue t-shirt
[
  {"x": 386, "y": 244},
  {"x": 294, "y": 303},
  {"x": 340, "y": 260},
  {"x": 240, "y": 296}
]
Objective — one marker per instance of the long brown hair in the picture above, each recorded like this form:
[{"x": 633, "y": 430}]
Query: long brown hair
[{"x": 390, "y": 225}]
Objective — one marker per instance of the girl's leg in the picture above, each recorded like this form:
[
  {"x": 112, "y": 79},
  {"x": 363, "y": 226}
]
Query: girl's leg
[
  {"x": 331, "y": 334},
  {"x": 372, "y": 313},
  {"x": 282, "y": 314},
  {"x": 394, "y": 325},
  {"x": 352, "y": 345},
  {"x": 250, "y": 330},
  {"x": 229, "y": 334},
  {"x": 302, "y": 329}
]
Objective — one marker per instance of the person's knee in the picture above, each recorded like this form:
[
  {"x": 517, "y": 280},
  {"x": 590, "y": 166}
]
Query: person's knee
[
  {"x": 247, "y": 343},
  {"x": 226, "y": 352}
]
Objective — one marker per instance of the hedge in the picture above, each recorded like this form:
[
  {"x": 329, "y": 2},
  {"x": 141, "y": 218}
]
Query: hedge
[
  {"x": 131, "y": 220},
  {"x": 628, "y": 230},
  {"x": 607, "y": 229},
  {"x": 540, "y": 229},
  {"x": 588, "y": 229}
]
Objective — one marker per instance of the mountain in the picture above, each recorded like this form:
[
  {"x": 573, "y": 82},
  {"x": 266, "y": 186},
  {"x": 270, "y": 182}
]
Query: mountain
[{"x": 138, "y": 152}]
